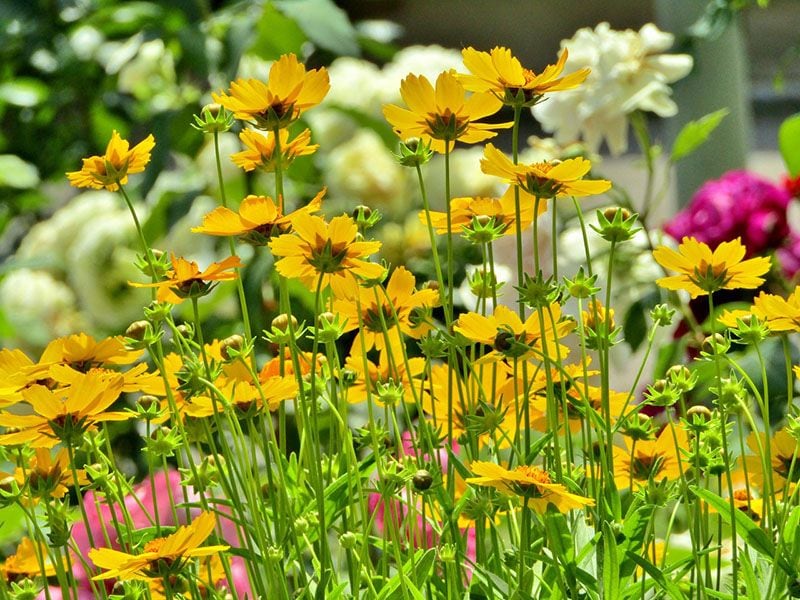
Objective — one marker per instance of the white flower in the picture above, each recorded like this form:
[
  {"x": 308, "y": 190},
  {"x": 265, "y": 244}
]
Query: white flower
[
  {"x": 38, "y": 307},
  {"x": 419, "y": 60},
  {"x": 628, "y": 73},
  {"x": 363, "y": 171}
]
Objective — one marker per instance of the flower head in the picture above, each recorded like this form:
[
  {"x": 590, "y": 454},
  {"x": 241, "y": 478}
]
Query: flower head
[
  {"x": 289, "y": 91},
  {"x": 441, "y": 115},
  {"x": 65, "y": 414},
  {"x": 629, "y": 72},
  {"x": 325, "y": 253},
  {"x": 703, "y": 271},
  {"x": 112, "y": 169},
  {"x": 544, "y": 179},
  {"x": 25, "y": 562},
  {"x": 649, "y": 460},
  {"x": 260, "y": 151},
  {"x": 501, "y": 73},
  {"x": 161, "y": 556},
  {"x": 530, "y": 482},
  {"x": 259, "y": 219},
  {"x": 185, "y": 280}
]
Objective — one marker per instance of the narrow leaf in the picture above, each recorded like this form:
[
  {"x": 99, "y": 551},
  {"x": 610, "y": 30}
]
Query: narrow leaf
[{"x": 695, "y": 133}]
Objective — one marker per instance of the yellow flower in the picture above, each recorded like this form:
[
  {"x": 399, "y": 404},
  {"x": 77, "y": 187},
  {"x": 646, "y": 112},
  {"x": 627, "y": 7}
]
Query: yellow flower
[
  {"x": 185, "y": 279},
  {"x": 261, "y": 149},
  {"x": 649, "y": 460},
  {"x": 499, "y": 72},
  {"x": 324, "y": 253},
  {"x": 25, "y": 562},
  {"x": 48, "y": 477},
  {"x": 113, "y": 168},
  {"x": 161, "y": 556},
  {"x": 785, "y": 465},
  {"x": 506, "y": 333},
  {"x": 65, "y": 414},
  {"x": 703, "y": 271},
  {"x": 500, "y": 212},
  {"x": 390, "y": 382},
  {"x": 289, "y": 91},
  {"x": 780, "y": 314},
  {"x": 551, "y": 179},
  {"x": 443, "y": 115},
  {"x": 399, "y": 299},
  {"x": 245, "y": 397},
  {"x": 258, "y": 219},
  {"x": 530, "y": 482}
]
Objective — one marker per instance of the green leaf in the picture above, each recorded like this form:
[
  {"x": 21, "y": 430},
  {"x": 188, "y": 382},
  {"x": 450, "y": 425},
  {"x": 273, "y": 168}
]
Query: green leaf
[
  {"x": 672, "y": 590},
  {"x": 391, "y": 589},
  {"x": 16, "y": 173},
  {"x": 276, "y": 34},
  {"x": 695, "y": 133},
  {"x": 789, "y": 144},
  {"x": 754, "y": 536},
  {"x": 25, "y": 92},
  {"x": 324, "y": 23},
  {"x": 611, "y": 578}
]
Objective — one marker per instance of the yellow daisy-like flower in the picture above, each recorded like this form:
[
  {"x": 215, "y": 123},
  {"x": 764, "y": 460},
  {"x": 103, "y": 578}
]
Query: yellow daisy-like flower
[
  {"x": 780, "y": 314},
  {"x": 649, "y": 460},
  {"x": 329, "y": 254},
  {"x": 260, "y": 151},
  {"x": 65, "y": 414},
  {"x": 289, "y": 91},
  {"x": 185, "y": 280},
  {"x": 499, "y": 213},
  {"x": 552, "y": 179},
  {"x": 258, "y": 220},
  {"x": 785, "y": 465},
  {"x": 47, "y": 476},
  {"x": 25, "y": 562},
  {"x": 388, "y": 383},
  {"x": 509, "y": 336},
  {"x": 530, "y": 482},
  {"x": 162, "y": 556},
  {"x": 400, "y": 299},
  {"x": 112, "y": 169},
  {"x": 245, "y": 397},
  {"x": 703, "y": 271},
  {"x": 501, "y": 73},
  {"x": 441, "y": 115}
]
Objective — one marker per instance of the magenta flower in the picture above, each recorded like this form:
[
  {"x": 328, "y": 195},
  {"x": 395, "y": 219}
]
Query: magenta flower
[{"x": 739, "y": 204}]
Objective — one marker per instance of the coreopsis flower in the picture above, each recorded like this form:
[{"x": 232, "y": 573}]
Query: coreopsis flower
[
  {"x": 394, "y": 307},
  {"x": 549, "y": 179},
  {"x": 259, "y": 219},
  {"x": 780, "y": 314},
  {"x": 509, "y": 336},
  {"x": 750, "y": 505},
  {"x": 501, "y": 73},
  {"x": 27, "y": 562},
  {"x": 161, "y": 557},
  {"x": 245, "y": 397},
  {"x": 785, "y": 466},
  {"x": 499, "y": 215},
  {"x": 289, "y": 91},
  {"x": 474, "y": 403},
  {"x": 14, "y": 364},
  {"x": 260, "y": 153},
  {"x": 47, "y": 476},
  {"x": 531, "y": 483},
  {"x": 65, "y": 414},
  {"x": 112, "y": 169},
  {"x": 629, "y": 72},
  {"x": 643, "y": 461},
  {"x": 326, "y": 254},
  {"x": 390, "y": 382},
  {"x": 439, "y": 116},
  {"x": 703, "y": 271},
  {"x": 185, "y": 280}
]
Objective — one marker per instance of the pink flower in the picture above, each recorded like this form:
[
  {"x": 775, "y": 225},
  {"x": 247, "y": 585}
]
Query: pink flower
[
  {"x": 398, "y": 509},
  {"x": 149, "y": 498},
  {"x": 789, "y": 256},
  {"x": 739, "y": 204}
]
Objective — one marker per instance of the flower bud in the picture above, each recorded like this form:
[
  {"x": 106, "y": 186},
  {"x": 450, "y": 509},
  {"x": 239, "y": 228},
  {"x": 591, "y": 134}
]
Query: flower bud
[
  {"x": 231, "y": 343},
  {"x": 137, "y": 330},
  {"x": 422, "y": 480}
]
